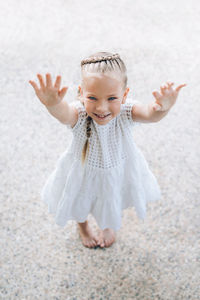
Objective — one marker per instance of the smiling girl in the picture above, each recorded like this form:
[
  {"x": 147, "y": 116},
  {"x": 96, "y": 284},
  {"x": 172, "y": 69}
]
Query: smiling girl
[{"x": 103, "y": 171}]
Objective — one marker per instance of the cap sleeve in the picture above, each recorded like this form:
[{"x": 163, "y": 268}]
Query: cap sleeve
[
  {"x": 81, "y": 115},
  {"x": 126, "y": 113}
]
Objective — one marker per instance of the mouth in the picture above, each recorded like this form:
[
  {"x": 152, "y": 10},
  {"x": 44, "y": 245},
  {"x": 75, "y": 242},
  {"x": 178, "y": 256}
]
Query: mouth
[{"x": 102, "y": 117}]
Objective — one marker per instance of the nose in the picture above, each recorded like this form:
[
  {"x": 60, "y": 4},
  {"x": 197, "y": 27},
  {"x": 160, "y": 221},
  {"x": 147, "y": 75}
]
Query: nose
[{"x": 101, "y": 108}]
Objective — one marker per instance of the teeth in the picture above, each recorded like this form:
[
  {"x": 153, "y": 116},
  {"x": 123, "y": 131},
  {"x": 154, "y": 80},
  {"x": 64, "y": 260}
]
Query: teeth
[{"x": 102, "y": 115}]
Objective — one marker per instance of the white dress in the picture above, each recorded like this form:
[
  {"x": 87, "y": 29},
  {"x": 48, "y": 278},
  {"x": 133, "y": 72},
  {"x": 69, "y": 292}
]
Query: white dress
[{"x": 115, "y": 175}]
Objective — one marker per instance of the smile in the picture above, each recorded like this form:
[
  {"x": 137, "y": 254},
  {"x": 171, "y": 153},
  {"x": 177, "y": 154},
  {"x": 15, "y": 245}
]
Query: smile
[{"x": 102, "y": 116}]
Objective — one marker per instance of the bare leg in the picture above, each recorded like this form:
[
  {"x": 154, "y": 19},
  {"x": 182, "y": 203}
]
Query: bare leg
[{"x": 89, "y": 239}]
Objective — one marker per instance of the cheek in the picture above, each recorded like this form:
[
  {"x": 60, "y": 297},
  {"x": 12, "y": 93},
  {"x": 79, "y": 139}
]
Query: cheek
[
  {"x": 116, "y": 107},
  {"x": 88, "y": 105}
]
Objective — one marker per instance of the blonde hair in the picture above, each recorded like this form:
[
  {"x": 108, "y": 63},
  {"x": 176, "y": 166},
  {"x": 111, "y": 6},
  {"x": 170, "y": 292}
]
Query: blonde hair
[{"x": 101, "y": 62}]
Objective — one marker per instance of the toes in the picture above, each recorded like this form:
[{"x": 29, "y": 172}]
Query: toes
[
  {"x": 91, "y": 244},
  {"x": 100, "y": 240},
  {"x": 94, "y": 243},
  {"x": 107, "y": 243},
  {"x": 101, "y": 243},
  {"x": 87, "y": 244},
  {"x": 96, "y": 240}
]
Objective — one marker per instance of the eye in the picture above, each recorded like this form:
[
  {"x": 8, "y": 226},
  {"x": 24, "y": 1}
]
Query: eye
[
  {"x": 113, "y": 98},
  {"x": 91, "y": 97}
]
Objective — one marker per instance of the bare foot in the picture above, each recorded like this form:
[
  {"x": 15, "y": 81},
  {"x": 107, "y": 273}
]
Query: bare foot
[
  {"x": 88, "y": 238},
  {"x": 106, "y": 237}
]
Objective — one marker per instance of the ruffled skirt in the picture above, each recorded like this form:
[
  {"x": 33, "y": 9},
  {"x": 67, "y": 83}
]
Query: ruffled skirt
[{"x": 73, "y": 191}]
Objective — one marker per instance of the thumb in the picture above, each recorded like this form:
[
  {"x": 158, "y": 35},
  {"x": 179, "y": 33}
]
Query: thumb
[
  {"x": 62, "y": 92},
  {"x": 156, "y": 107}
]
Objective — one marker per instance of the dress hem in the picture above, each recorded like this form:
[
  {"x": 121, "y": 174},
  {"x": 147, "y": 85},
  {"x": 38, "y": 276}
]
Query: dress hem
[{"x": 63, "y": 222}]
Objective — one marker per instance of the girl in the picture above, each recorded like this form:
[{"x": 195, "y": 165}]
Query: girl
[{"x": 102, "y": 172}]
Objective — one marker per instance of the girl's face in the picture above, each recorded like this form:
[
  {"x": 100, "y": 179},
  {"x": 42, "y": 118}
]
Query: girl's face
[{"x": 102, "y": 96}]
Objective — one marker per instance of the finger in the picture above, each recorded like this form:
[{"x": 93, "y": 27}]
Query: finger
[
  {"x": 169, "y": 86},
  {"x": 62, "y": 92},
  {"x": 156, "y": 94},
  {"x": 58, "y": 82},
  {"x": 163, "y": 88},
  {"x": 34, "y": 85},
  {"x": 165, "y": 85},
  {"x": 42, "y": 85},
  {"x": 48, "y": 80},
  {"x": 180, "y": 87},
  {"x": 170, "y": 83}
]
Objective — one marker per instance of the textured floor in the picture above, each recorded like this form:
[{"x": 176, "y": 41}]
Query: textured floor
[{"x": 155, "y": 259}]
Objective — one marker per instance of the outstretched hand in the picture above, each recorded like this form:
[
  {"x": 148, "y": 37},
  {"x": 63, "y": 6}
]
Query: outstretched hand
[
  {"x": 167, "y": 96},
  {"x": 49, "y": 94}
]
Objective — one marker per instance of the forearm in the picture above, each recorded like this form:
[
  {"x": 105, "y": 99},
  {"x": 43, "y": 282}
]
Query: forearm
[
  {"x": 145, "y": 113},
  {"x": 60, "y": 111}
]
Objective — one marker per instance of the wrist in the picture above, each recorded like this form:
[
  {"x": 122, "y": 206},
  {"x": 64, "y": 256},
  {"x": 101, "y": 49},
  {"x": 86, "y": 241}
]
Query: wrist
[
  {"x": 54, "y": 105},
  {"x": 60, "y": 110},
  {"x": 58, "y": 107},
  {"x": 156, "y": 115}
]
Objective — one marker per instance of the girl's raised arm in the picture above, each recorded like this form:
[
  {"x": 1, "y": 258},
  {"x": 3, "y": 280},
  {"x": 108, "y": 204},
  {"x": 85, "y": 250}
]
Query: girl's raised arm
[
  {"x": 52, "y": 97},
  {"x": 154, "y": 112}
]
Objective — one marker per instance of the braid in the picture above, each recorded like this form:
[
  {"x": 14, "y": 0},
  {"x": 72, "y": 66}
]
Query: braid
[
  {"x": 88, "y": 134},
  {"x": 104, "y": 62},
  {"x": 95, "y": 59}
]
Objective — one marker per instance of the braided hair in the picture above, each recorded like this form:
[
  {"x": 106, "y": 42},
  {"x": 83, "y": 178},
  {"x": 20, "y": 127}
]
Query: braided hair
[
  {"x": 100, "y": 62},
  {"x": 88, "y": 133}
]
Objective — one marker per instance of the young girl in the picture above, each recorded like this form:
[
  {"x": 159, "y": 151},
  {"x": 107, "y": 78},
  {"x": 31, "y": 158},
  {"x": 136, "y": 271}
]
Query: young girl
[{"x": 102, "y": 172}]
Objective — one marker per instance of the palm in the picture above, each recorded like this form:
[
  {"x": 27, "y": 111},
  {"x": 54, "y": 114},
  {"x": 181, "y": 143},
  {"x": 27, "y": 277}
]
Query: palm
[
  {"x": 49, "y": 94},
  {"x": 167, "y": 96}
]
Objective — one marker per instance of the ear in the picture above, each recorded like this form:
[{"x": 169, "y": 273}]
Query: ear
[
  {"x": 125, "y": 95},
  {"x": 79, "y": 90},
  {"x": 80, "y": 94}
]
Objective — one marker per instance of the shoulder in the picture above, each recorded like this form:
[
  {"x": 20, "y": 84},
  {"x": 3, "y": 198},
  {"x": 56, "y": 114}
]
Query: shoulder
[
  {"x": 129, "y": 103},
  {"x": 80, "y": 112},
  {"x": 126, "y": 111}
]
